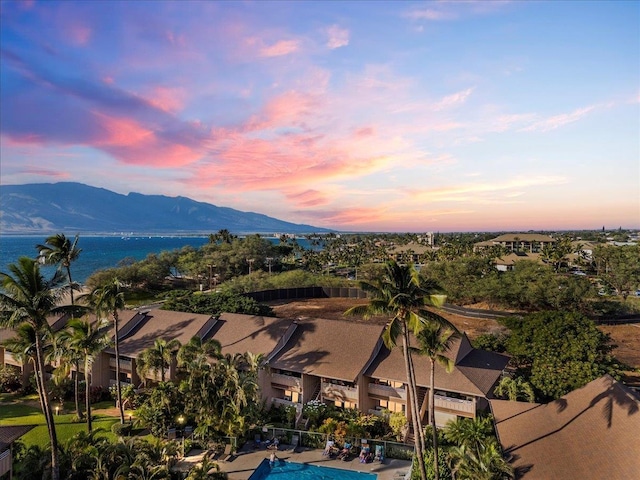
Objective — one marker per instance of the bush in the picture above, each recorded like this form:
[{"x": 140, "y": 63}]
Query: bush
[
  {"x": 121, "y": 429},
  {"x": 10, "y": 380}
]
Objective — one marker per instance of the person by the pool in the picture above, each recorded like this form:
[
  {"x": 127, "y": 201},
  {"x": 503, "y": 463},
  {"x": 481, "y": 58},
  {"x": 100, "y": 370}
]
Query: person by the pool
[{"x": 272, "y": 459}]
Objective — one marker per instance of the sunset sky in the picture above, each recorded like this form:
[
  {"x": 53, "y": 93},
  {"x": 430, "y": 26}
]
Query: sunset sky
[{"x": 357, "y": 116}]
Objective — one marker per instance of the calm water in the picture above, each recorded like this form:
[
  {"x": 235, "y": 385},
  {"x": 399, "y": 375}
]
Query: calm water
[
  {"x": 301, "y": 471},
  {"x": 101, "y": 252},
  {"x": 97, "y": 252}
]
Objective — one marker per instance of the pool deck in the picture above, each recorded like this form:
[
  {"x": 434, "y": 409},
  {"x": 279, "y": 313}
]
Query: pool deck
[{"x": 245, "y": 461}]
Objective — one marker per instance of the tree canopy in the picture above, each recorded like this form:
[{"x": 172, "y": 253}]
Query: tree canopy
[{"x": 559, "y": 351}]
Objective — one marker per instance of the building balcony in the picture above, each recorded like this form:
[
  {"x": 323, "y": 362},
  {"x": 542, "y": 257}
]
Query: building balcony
[
  {"x": 454, "y": 404},
  {"x": 124, "y": 364},
  {"x": 286, "y": 382},
  {"x": 281, "y": 402},
  {"x": 339, "y": 392},
  {"x": 387, "y": 392}
]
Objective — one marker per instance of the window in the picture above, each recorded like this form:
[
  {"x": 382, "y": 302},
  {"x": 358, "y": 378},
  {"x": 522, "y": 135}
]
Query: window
[{"x": 391, "y": 406}]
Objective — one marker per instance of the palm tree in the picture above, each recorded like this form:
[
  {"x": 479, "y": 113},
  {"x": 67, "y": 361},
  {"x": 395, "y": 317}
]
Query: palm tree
[
  {"x": 108, "y": 299},
  {"x": 59, "y": 250},
  {"x": 196, "y": 352},
  {"x": 88, "y": 340},
  {"x": 515, "y": 389},
  {"x": 69, "y": 357},
  {"x": 482, "y": 463},
  {"x": 435, "y": 340},
  {"x": 27, "y": 297},
  {"x": 157, "y": 358},
  {"x": 400, "y": 295}
]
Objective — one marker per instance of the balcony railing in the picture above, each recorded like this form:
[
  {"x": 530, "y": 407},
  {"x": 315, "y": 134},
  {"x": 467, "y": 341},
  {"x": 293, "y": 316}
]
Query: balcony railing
[
  {"x": 339, "y": 392},
  {"x": 455, "y": 404},
  {"x": 292, "y": 383},
  {"x": 124, "y": 364},
  {"x": 387, "y": 391},
  {"x": 281, "y": 402}
]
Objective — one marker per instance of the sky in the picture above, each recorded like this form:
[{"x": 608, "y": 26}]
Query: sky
[{"x": 355, "y": 116}]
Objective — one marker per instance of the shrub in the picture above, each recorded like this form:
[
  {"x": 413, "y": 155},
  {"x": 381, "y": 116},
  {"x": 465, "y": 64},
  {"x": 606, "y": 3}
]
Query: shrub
[
  {"x": 10, "y": 380},
  {"x": 121, "y": 429}
]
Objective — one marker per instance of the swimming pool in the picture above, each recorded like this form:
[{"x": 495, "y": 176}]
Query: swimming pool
[{"x": 302, "y": 471}]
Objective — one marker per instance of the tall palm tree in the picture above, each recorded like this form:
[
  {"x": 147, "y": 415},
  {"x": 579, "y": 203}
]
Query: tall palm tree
[
  {"x": 27, "y": 297},
  {"x": 435, "y": 340},
  {"x": 69, "y": 357},
  {"x": 157, "y": 358},
  {"x": 59, "y": 250},
  {"x": 108, "y": 300},
  {"x": 88, "y": 340},
  {"x": 23, "y": 348},
  {"x": 400, "y": 294}
]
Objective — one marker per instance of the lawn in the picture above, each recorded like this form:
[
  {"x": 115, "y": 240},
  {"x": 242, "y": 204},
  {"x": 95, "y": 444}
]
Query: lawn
[{"x": 21, "y": 412}]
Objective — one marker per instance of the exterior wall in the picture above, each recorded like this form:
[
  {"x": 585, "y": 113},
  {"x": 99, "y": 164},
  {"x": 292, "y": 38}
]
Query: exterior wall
[
  {"x": 310, "y": 384},
  {"x": 5, "y": 462}
]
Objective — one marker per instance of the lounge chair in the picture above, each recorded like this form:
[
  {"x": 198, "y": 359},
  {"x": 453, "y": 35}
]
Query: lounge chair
[
  {"x": 328, "y": 449},
  {"x": 257, "y": 441},
  {"x": 295, "y": 440},
  {"x": 379, "y": 456},
  {"x": 226, "y": 455},
  {"x": 365, "y": 454},
  {"x": 345, "y": 452}
]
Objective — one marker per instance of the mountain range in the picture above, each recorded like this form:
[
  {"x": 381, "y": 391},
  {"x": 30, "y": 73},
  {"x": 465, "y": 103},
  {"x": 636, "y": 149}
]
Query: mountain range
[{"x": 75, "y": 207}]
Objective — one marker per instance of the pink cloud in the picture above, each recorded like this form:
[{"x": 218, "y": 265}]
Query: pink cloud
[
  {"x": 167, "y": 99},
  {"x": 364, "y": 132},
  {"x": 558, "y": 121},
  {"x": 337, "y": 37},
  {"x": 79, "y": 34},
  {"x": 46, "y": 172},
  {"x": 130, "y": 142},
  {"x": 278, "y": 49},
  {"x": 454, "y": 99},
  {"x": 308, "y": 198}
]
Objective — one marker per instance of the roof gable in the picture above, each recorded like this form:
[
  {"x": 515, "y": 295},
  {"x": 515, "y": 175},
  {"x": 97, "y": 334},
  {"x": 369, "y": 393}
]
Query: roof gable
[{"x": 591, "y": 432}]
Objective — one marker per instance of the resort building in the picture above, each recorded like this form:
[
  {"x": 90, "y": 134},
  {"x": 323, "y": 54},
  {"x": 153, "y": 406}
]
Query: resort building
[
  {"x": 591, "y": 432},
  {"x": 56, "y": 322},
  {"x": 518, "y": 242},
  {"x": 338, "y": 362}
]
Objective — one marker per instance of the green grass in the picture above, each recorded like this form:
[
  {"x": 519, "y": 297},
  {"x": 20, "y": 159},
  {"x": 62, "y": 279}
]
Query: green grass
[{"x": 17, "y": 412}]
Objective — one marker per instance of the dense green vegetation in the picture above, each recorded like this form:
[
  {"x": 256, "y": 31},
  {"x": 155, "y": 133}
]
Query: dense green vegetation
[
  {"x": 555, "y": 348},
  {"x": 554, "y": 353}
]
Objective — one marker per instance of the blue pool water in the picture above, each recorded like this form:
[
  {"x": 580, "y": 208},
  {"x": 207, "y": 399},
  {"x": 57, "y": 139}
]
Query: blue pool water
[{"x": 301, "y": 471}]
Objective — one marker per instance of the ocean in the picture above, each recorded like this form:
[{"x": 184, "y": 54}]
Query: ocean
[
  {"x": 100, "y": 252},
  {"x": 97, "y": 252}
]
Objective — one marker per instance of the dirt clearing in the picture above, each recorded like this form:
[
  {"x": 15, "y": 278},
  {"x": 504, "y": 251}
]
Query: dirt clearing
[{"x": 627, "y": 337}]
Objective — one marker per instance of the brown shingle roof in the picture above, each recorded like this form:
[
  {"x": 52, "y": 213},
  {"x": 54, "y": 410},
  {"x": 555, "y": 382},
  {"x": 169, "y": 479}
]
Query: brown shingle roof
[
  {"x": 163, "y": 324},
  {"x": 590, "y": 433},
  {"x": 250, "y": 333},
  {"x": 523, "y": 237},
  {"x": 475, "y": 372},
  {"x": 329, "y": 348},
  {"x": 10, "y": 434}
]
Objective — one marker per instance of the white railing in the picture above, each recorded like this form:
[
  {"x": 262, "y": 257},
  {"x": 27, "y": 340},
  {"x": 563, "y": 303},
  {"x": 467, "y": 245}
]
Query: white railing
[
  {"x": 387, "y": 391},
  {"x": 341, "y": 392},
  {"x": 286, "y": 381},
  {"x": 455, "y": 404}
]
